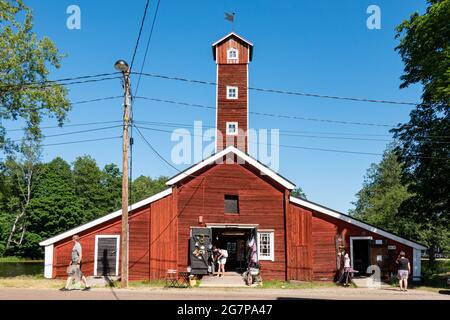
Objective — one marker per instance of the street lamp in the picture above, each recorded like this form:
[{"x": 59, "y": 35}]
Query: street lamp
[{"x": 122, "y": 66}]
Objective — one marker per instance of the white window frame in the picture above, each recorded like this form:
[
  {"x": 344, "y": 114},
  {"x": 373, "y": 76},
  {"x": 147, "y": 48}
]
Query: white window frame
[
  {"x": 117, "y": 237},
  {"x": 232, "y": 50},
  {"x": 228, "y": 93},
  {"x": 271, "y": 257},
  {"x": 228, "y": 129}
]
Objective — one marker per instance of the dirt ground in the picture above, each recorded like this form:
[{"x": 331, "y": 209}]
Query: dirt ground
[{"x": 221, "y": 294}]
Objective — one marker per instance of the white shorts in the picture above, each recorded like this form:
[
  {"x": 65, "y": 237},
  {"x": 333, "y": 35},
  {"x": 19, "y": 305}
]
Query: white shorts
[{"x": 222, "y": 261}]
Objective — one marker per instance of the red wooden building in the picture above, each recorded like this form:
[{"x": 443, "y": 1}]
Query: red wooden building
[{"x": 232, "y": 196}]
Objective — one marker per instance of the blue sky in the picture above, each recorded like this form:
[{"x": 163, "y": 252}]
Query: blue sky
[{"x": 319, "y": 47}]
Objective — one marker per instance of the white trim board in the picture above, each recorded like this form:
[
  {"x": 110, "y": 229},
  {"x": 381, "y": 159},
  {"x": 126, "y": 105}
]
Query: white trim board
[
  {"x": 48, "y": 262},
  {"x": 218, "y": 156},
  {"x": 355, "y": 222},
  {"x": 117, "y": 237},
  {"x": 105, "y": 218},
  {"x": 231, "y": 225},
  {"x": 231, "y": 34}
]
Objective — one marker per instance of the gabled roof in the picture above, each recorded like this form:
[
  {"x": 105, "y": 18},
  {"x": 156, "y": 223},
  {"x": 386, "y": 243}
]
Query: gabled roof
[
  {"x": 103, "y": 219},
  {"x": 233, "y": 34},
  {"x": 217, "y": 158},
  {"x": 356, "y": 222}
]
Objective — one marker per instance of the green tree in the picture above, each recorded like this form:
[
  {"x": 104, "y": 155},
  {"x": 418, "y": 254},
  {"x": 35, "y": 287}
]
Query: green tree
[
  {"x": 23, "y": 168},
  {"x": 25, "y": 59},
  {"x": 55, "y": 208},
  {"x": 89, "y": 189},
  {"x": 381, "y": 196},
  {"x": 144, "y": 187},
  {"x": 298, "y": 192},
  {"x": 424, "y": 141},
  {"x": 112, "y": 183}
]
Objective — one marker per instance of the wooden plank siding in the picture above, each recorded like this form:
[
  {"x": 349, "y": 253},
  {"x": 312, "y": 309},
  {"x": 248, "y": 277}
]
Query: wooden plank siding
[
  {"x": 259, "y": 203},
  {"x": 232, "y": 73},
  {"x": 299, "y": 239},
  {"x": 325, "y": 229},
  {"x": 163, "y": 238},
  {"x": 235, "y": 43},
  {"x": 232, "y": 110},
  {"x": 142, "y": 233}
]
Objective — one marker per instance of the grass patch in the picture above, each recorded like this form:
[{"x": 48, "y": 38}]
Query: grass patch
[
  {"x": 277, "y": 284},
  {"x": 147, "y": 283},
  {"x": 18, "y": 259},
  {"x": 35, "y": 282},
  {"x": 435, "y": 276}
]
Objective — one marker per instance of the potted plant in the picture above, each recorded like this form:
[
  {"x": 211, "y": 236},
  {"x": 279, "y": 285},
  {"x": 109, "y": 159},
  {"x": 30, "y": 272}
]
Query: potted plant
[{"x": 192, "y": 280}]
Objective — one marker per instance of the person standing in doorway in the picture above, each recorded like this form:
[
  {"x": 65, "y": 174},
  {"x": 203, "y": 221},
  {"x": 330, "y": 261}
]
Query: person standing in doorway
[
  {"x": 347, "y": 270},
  {"x": 222, "y": 256},
  {"x": 404, "y": 269},
  {"x": 76, "y": 262}
]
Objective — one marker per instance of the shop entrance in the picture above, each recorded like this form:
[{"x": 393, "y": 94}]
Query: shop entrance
[
  {"x": 234, "y": 240},
  {"x": 360, "y": 251}
]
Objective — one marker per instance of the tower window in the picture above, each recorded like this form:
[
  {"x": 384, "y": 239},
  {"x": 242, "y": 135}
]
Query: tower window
[
  {"x": 231, "y": 203},
  {"x": 232, "y": 92},
  {"x": 232, "y": 128},
  {"x": 232, "y": 54}
]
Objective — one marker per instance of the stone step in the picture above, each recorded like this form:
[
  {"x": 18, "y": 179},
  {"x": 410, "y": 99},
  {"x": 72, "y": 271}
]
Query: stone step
[
  {"x": 230, "y": 280},
  {"x": 369, "y": 282},
  {"x": 101, "y": 281}
]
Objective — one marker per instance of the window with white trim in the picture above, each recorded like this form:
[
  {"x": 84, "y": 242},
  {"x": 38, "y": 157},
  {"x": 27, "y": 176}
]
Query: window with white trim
[
  {"x": 232, "y": 128},
  {"x": 232, "y": 92},
  {"x": 266, "y": 245},
  {"x": 232, "y": 54}
]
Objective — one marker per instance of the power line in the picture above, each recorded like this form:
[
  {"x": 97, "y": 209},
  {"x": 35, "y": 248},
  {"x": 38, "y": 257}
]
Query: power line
[
  {"x": 311, "y": 148},
  {"x": 154, "y": 150},
  {"x": 293, "y": 133},
  {"x": 147, "y": 47},
  {"x": 59, "y": 81},
  {"x": 297, "y": 93},
  {"x": 140, "y": 33},
  {"x": 96, "y": 100},
  {"x": 71, "y": 125},
  {"x": 74, "y": 132},
  {"x": 273, "y": 115},
  {"x": 81, "y": 141}
]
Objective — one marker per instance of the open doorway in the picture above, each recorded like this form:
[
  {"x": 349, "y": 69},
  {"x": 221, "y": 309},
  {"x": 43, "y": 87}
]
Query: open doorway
[
  {"x": 360, "y": 251},
  {"x": 234, "y": 240}
]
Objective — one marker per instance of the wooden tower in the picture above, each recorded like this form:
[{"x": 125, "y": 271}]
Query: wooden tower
[{"x": 232, "y": 54}]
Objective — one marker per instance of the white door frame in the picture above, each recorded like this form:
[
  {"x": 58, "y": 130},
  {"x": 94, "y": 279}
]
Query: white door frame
[
  {"x": 351, "y": 246},
  {"x": 117, "y": 237}
]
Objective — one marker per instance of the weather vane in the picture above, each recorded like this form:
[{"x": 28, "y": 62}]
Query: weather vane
[{"x": 230, "y": 17}]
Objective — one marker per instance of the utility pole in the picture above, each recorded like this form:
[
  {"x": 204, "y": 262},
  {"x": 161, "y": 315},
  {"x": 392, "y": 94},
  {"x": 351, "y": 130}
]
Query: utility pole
[{"x": 122, "y": 66}]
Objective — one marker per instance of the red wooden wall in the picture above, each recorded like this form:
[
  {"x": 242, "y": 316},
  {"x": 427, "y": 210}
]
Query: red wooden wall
[
  {"x": 299, "y": 244},
  {"x": 259, "y": 203},
  {"x": 324, "y": 230},
  {"x": 151, "y": 233},
  {"x": 233, "y": 42},
  {"x": 229, "y": 110}
]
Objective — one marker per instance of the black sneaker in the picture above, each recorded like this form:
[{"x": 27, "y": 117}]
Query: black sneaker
[
  {"x": 87, "y": 288},
  {"x": 64, "y": 289}
]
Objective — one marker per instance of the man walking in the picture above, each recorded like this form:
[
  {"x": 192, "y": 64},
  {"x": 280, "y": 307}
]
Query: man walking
[{"x": 74, "y": 269}]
